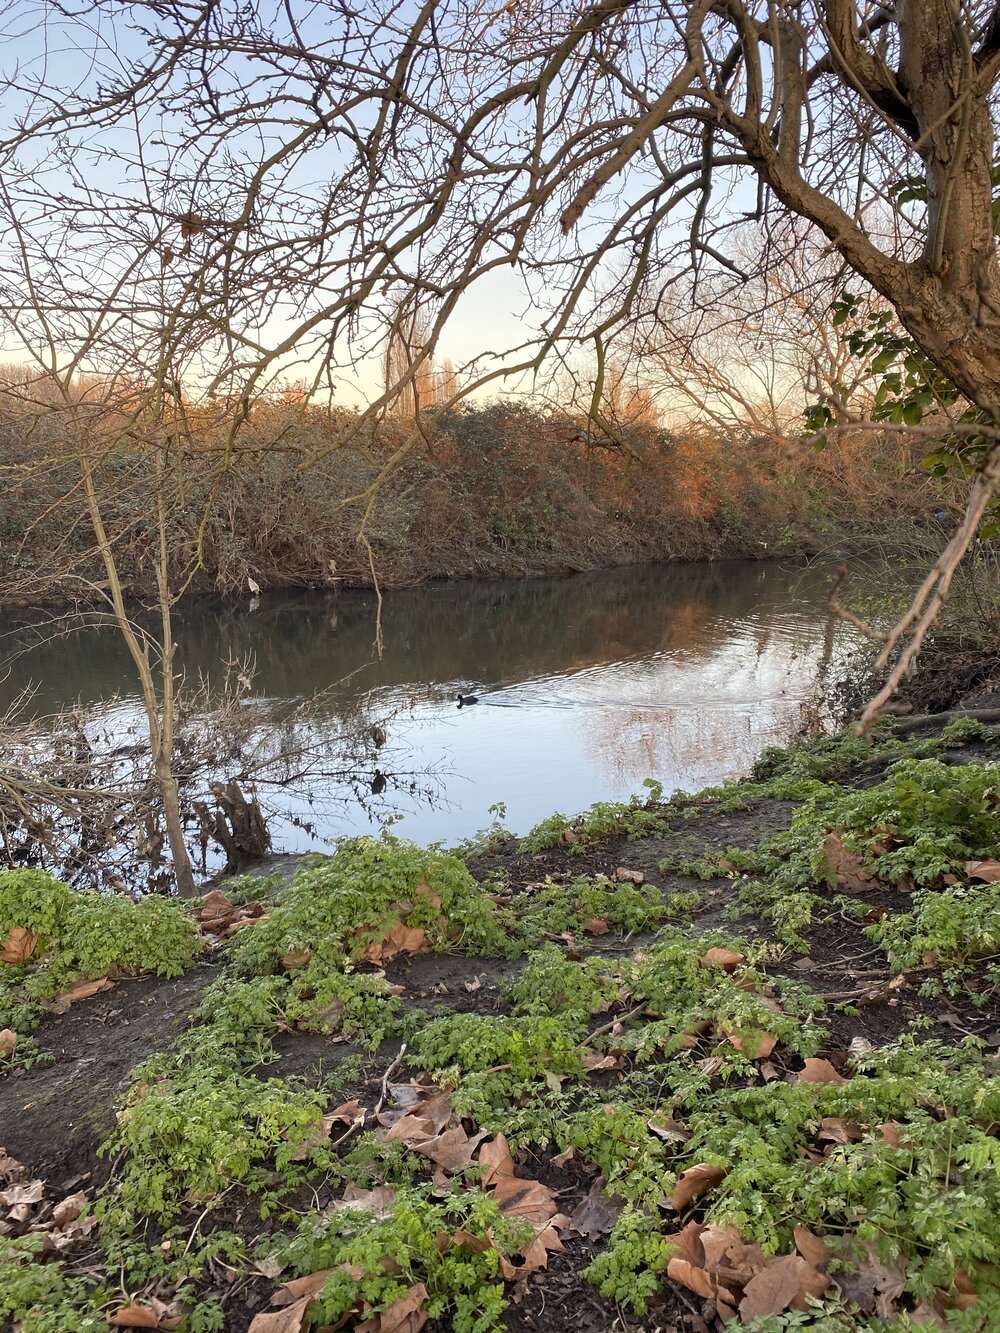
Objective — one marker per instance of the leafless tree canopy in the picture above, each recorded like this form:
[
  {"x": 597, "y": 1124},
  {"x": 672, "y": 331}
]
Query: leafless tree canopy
[
  {"x": 231, "y": 193},
  {"x": 229, "y": 188}
]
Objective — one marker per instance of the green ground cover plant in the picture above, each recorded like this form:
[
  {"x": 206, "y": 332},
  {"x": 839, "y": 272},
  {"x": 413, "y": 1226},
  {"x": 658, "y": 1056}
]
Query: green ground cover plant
[
  {"x": 684, "y": 1056},
  {"x": 53, "y": 937}
]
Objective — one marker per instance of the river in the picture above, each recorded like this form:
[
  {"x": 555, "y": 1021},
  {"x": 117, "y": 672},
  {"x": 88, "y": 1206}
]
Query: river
[{"x": 587, "y": 685}]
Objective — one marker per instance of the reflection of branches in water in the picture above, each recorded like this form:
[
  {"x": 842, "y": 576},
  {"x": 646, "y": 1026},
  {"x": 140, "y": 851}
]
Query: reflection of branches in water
[
  {"x": 679, "y": 744},
  {"x": 692, "y": 743},
  {"x": 242, "y": 763}
]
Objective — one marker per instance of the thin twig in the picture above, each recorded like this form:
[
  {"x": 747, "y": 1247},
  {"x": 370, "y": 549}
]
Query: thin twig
[
  {"x": 385, "y": 1079},
  {"x": 621, "y": 1018}
]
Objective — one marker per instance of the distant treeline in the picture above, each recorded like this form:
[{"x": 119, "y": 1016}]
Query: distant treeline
[{"x": 493, "y": 490}]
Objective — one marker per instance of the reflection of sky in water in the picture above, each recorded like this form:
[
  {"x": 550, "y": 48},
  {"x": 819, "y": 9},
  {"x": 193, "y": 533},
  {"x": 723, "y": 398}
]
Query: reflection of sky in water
[
  {"x": 563, "y": 742},
  {"x": 587, "y": 686}
]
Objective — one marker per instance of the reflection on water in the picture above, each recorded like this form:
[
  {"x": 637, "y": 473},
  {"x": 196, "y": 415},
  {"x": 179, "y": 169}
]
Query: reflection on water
[{"x": 587, "y": 685}]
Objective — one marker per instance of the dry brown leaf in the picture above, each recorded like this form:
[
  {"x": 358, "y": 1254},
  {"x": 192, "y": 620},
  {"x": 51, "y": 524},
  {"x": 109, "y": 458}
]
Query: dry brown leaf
[
  {"x": 687, "y": 1244},
  {"x": 988, "y": 871},
  {"x": 926, "y": 1316},
  {"x": 83, "y": 990},
  {"x": 69, "y": 1209},
  {"x": 377, "y": 1201},
  {"x": 729, "y": 1257},
  {"x": 695, "y": 1279},
  {"x": 139, "y": 1315},
  {"x": 398, "y": 939},
  {"x": 833, "y": 1129},
  {"x": 436, "y": 1110},
  {"x": 819, "y": 1071},
  {"x": 405, "y": 1315},
  {"x": 694, "y": 1182},
  {"x": 8, "y": 1041},
  {"x": 296, "y": 958},
  {"x": 596, "y": 925},
  {"x": 671, "y": 1131},
  {"x": 496, "y": 1157},
  {"x": 595, "y": 1063},
  {"x": 217, "y": 913},
  {"x": 477, "y": 1244},
  {"x": 626, "y": 876},
  {"x": 19, "y": 946},
  {"x": 727, "y": 959},
  {"x": 288, "y": 1320},
  {"x": 813, "y": 1248},
  {"x": 452, "y": 1149},
  {"x": 845, "y": 867},
  {"x": 596, "y": 1214},
  {"x": 524, "y": 1198},
  {"x": 783, "y": 1284},
  {"x": 872, "y": 1285},
  {"x": 891, "y": 1134},
  {"x": 31, "y": 1191},
  {"x": 535, "y": 1255},
  {"x": 757, "y": 1045},
  {"x": 410, "y": 1129}
]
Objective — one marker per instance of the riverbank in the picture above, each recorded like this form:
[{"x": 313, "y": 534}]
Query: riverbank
[
  {"x": 498, "y": 491},
  {"x": 641, "y": 1069}
]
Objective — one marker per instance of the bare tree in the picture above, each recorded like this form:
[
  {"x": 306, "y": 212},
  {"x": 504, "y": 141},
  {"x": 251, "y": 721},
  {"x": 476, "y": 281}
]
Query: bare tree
[{"x": 305, "y": 172}]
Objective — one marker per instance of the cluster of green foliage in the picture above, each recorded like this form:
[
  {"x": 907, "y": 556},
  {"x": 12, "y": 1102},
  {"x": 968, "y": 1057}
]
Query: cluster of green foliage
[
  {"x": 463, "y": 1281},
  {"x": 909, "y": 385},
  {"x": 551, "y": 909},
  {"x": 82, "y": 935},
  {"x": 37, "y": 1297},
  {"x": 922, "y": 822},
  {"x": 927, "y": 1195},
  {"x": 635, "y": 818},
  {"x": 669, "y": 1002}
]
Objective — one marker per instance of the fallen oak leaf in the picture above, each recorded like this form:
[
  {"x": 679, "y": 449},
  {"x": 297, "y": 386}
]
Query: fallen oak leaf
[
  {"x": 288, "y": 1320},
  {"x": 496, "y": 1157},
  {"x": 835, "y": 1130},
  {"x": 140, "y": 1315},
  {"x": 16, "y": 1195},
  {"x": 596, "y": 1214},
  {"x": 988, "y": 871},
  {"x": 697, "y": 1280},
  {"x": 452, "y": 1149},
  {"x": 405, "y": 1315},
  {"x": 819, "y": 1071},
  {"x": 784, "y": 1283},
  {"x": 83, "y": 990},
  {"x": 727, "y": 959},
  {"x": 20, "y": 944},
  {"x": 524, "y": 1198},
  {"x": 814, "y": 1249},
  {"x": 694, "y": 1182},
  {"x": 596, "y": 925},
  {"x": 844, "y": 867},
  {"x": 755, "y": 1043},
  {"x": 377, "y": 1201},
  {"x": 69, "y": 1209}
]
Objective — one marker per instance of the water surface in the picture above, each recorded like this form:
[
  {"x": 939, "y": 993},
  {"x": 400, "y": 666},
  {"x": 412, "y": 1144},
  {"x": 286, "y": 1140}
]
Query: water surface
[{"x": 587, "y": 685}]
